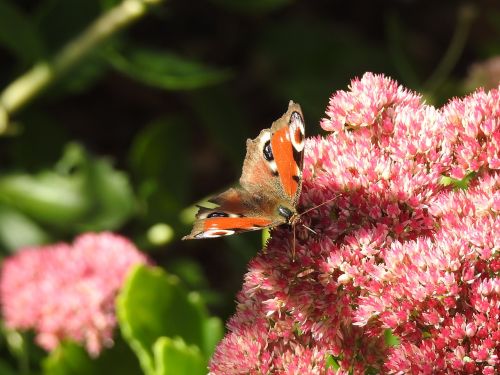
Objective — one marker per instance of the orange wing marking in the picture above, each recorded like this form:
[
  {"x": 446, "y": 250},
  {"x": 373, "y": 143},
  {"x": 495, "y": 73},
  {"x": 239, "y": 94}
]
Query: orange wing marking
[
  {"x": 283, "y": 155},
  {"x": 245, "y": 223}
]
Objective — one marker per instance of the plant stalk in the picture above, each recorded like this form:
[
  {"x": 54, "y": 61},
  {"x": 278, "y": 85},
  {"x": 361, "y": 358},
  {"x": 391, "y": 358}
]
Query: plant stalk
[{"x": 44, "y": 73}]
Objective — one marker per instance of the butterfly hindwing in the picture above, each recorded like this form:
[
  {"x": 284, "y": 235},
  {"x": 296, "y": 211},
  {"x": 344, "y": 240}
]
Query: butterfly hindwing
[
  {"x": 235, "y": 213},
  {"x": 218, "y": 226}
]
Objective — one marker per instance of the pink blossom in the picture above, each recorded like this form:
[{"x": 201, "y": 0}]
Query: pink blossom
[
  {"x": 472, "y": 129},
  {"x": 397, "y": 249},
  {"x": 66, "y": 291}
]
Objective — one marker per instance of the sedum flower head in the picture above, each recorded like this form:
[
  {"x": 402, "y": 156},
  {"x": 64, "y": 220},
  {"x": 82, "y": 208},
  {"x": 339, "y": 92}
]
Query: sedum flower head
[
  {"x": 67, "y": 291},
  {"x": 398, "y": 249}
]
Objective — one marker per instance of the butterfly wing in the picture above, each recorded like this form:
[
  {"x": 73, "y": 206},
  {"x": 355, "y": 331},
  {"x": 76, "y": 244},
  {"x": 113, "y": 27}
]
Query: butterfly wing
[
  {"x": 271, "y": 177},
  {"x": 273, "y": 164},
  {"x": 236, "y": 212}
]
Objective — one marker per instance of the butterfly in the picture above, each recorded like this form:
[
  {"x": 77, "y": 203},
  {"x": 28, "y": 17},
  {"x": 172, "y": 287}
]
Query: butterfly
[{"x": 271, "y": 183}]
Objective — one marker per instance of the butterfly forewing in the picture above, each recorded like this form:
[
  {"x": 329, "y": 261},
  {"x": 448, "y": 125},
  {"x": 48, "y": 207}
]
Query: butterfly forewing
[
  {"x": 273, "y": 165},
  {"x": 287, "y": 143}
]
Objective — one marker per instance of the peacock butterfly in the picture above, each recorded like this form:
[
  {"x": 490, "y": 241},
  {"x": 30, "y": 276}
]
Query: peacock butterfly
[{"x": 271, "y": 182}]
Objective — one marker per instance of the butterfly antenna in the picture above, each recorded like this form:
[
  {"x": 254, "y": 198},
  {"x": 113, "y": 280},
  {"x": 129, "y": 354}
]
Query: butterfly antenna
[
  {"x": 309, "y": 229},
  {"x": 319, "y": 205},
  {"x": 293, "y": 248}
]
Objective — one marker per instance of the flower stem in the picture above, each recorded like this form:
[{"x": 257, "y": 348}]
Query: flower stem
[
  {"x": 44, "y": 73},
  {"x": 466, "y": 14},
  {"x": 396, "y": 41}
]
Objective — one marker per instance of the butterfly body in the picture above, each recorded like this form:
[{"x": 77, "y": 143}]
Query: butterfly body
[{"x": 271, "y": 182}]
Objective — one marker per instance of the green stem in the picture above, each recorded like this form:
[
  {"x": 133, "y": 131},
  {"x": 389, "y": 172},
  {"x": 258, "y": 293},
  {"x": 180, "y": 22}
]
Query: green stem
[
  {"x": 396, "y": 40},
  {"x": 24, "y": 356},
  {"x": 44, "y": 73},
  {"x": 466, "y": 14}
]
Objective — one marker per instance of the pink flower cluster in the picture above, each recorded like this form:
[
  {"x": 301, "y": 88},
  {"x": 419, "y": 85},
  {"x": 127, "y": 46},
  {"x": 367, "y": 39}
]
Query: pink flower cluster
[
  {"x": 397, "y": 250},
  {"x": 68, "y": 291}
]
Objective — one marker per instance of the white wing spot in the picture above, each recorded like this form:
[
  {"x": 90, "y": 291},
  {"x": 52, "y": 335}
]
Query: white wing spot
[
  {"x": 296, "y": 131},
  {"x": 214, "y": 233}
]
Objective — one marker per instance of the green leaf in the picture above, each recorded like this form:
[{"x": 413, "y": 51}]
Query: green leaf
[
  {"x": 189, "y": 271},
  {"x": 47, "y": 197},
  {"x": 332, "y": 362},
  {"x": 153, "y": 304},
  {"x": 18, "y": 230},
  {"x": 108, "y": 190},
  {"x": 174, "y": 357},
  {"x": 156, "y": 162},
  {"x": 166, "y": 70},
  {"x": 112, "y": 196},
  {"x": 457, "y": 184},
  {"x": 68, "y": 358},
  {"x": 81, "y": 77},
  {"x": 192, "y": 275},
  {"x": 80, "y": 193},
  {"x": 390, "y": 339},
  {"x": 213, "y": 333},
  {"x": 18, "y": 34}
]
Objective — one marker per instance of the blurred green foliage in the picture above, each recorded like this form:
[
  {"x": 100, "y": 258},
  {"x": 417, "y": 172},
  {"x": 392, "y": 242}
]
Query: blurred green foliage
[
  {"x": 154, "y": 118},
  {"x": 165, "y": 70},
  {"x": 70, "y": 358},
  {"x": 79, "y": 194},
  {"x": 168, "y": 328}
]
